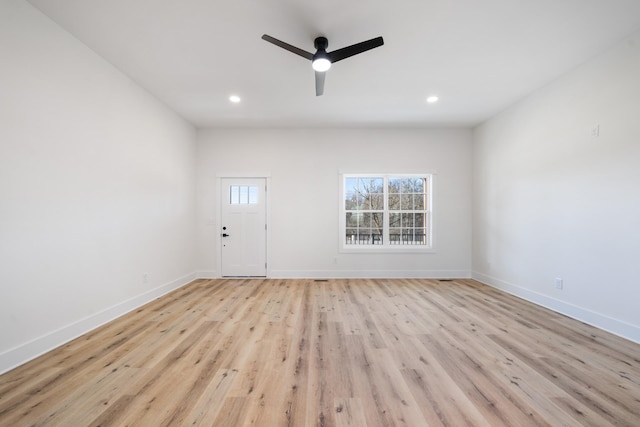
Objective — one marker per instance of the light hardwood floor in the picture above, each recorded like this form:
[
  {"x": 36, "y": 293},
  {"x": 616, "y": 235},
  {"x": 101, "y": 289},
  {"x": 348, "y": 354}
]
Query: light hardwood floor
[{"x": 332, "y": 353}]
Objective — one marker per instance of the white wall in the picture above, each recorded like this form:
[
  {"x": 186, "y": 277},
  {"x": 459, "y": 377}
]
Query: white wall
[
  {"x": 551, "y": 200},
  {"x": 304, "y": 166},
  {"x": 97, "y": 187}
]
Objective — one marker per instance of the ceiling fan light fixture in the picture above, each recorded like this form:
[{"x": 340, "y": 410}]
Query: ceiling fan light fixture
[{"x": 321, "y": 63}]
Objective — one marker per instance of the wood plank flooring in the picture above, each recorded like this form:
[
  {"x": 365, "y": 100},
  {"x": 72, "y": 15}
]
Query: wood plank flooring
[{"x": 267, "y": 352}]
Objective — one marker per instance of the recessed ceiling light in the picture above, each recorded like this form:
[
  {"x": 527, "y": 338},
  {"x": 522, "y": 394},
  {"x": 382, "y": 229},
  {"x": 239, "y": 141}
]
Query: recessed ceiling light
[
  {"x": 432, "y": 99},
  {"x": 234, "y": 98}
]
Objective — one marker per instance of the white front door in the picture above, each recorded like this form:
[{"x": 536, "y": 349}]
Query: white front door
[{"x": 243, "y": 223}]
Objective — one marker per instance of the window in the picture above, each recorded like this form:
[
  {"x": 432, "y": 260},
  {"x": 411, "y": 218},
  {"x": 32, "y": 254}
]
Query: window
[
  {"x": 386, "y": 212},
  {"x": 243, "y": 195}
]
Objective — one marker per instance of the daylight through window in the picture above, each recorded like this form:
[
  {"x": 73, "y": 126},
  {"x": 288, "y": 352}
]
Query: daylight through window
[
  {"x": 243, "y": 195},
  {"x": 386, "y": 211}
]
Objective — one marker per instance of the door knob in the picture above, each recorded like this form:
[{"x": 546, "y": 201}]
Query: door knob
[{"x": 225, "y": 235}]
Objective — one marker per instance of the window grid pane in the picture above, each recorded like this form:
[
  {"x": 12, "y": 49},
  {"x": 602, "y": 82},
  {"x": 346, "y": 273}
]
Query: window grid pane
[
  {"x": 364, "y": 228},
  {"x": 234, "y": 197}
]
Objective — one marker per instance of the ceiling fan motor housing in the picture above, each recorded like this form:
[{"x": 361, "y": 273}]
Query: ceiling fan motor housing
[
  {"x": 321, "y": 61},
  {"x": 321, "y": 43}
]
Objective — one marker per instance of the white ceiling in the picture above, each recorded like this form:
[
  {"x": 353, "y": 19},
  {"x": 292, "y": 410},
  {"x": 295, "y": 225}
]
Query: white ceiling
[{"x": 479, "y": 56}]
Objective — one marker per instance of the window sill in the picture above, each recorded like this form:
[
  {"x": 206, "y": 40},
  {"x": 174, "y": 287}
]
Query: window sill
[{"x": 386, "y": 250}]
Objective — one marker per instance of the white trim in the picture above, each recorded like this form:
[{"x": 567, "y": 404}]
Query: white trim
[
  {"x": 600, "y": 321},
  {"x": 207, "y": 275},
  {"x": 25, "y": 352},
  {"x": 382, "y": 171},
  {"x": 243, "y": 175},
  {"x": 371, "y": 274},
  {"x": 385, "y": 249}
]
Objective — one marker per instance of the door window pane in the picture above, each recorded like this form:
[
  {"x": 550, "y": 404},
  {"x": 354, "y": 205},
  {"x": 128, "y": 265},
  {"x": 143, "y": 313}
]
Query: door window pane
[{"x": 243, "y": 194}]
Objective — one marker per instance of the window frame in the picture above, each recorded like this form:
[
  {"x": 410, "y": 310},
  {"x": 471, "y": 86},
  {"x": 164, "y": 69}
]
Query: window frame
[{"x": 386, "y": 247}]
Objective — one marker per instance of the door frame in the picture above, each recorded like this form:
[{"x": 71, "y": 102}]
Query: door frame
[{"x": 267, "y": 179}]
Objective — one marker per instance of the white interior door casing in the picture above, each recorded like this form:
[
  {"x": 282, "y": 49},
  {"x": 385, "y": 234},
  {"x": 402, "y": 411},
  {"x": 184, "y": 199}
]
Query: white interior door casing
[{"x": 243, "y": 233}]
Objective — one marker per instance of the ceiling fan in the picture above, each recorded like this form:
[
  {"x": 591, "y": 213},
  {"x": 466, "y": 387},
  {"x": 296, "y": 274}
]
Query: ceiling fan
[{"x": 321, "y": 60}]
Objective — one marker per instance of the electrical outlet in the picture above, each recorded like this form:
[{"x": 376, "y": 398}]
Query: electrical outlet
[
  {"x": 595, "y": 131},
  {"x": 145, "y": 277},
  {"x": 559, "y": 283}
]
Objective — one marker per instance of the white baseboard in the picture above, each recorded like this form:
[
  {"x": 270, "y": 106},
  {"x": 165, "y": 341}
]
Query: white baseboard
[
  {"x": 207, "y": 274},
  {"x": 355, "y": 274},
  {"x": 600, "y": 321},
  {"x": 23, "y": 353},
  {"x": 370, "y": 274}
]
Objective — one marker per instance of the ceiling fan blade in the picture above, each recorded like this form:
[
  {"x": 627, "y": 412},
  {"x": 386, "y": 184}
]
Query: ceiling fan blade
[
  {"x": 345, "y": 52},
  {"x": 288, "y": 47},
  {"x": 319, "y": 83}
]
